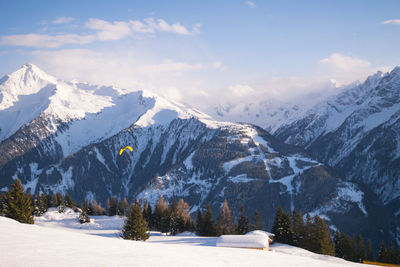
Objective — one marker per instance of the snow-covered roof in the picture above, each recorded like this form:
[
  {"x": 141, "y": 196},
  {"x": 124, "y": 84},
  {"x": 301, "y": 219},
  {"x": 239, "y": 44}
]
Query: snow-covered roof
[
  {"x": 242, "y": 241},
  {"x": 260, "y": 232}
]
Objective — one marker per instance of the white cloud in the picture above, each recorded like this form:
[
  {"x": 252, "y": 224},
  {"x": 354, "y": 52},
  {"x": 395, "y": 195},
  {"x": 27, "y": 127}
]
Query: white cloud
[
  {"x": 104, "y": 31},
  {"x": 346, "y": 69},
  {"x": 63, "y": 20},
  {"x": 171, "y": 66},
  {"x": 44, "y": 40},
  {"x": 107, "y": 31},
  {"x": 344, "y": 63},
  {"x": 250, "y": 4},
  {"x": 240, "y": 90},
  {"x": 391, "y": 21}
]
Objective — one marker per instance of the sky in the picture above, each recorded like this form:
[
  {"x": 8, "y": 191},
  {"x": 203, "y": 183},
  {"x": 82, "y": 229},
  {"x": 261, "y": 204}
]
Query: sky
[{"x": 204, "y": 53}]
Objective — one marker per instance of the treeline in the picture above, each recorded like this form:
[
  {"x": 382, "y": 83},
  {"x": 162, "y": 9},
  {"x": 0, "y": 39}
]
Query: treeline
[{"x": 314, "y": 235}]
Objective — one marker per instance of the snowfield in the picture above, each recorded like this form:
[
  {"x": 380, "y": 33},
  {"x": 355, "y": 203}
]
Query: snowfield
[{"x": 57, "y": 239}]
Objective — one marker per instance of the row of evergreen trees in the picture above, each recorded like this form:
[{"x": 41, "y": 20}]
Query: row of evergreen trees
[
  {"x": 314, "y": 235},
  {"x": 225, "y": 224}
]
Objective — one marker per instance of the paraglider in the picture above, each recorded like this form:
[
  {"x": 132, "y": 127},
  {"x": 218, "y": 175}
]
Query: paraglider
[{"x": 123, "y": 149}]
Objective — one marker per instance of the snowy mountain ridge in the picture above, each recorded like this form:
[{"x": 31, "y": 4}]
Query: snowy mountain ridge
[{"x": 177, "y": 152}]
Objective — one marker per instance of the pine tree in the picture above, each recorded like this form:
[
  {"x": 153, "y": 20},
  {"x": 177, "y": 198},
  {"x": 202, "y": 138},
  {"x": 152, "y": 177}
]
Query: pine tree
[
  {"x": 68, "y": 201},
  {"x": 120, "y": 209},
  {"x": 83, "y": 217},
  {"x": 382, "y": 253},
  {"x": 135, "y": 227},
  {"x": 2, "y": 203},
  {"x": 180, "y": 217},
  {"x": 298, "y": 229},
  {"x": 258, "y": 225},
  {"x": 199, "y": 223},
  {"x": 370, "y": 253},
  {"x": 40, "y": 204},
  {"x": 398, "y": 256},
  {"x": 323, "y": 237},
  {"x": 347, "y": 247},
  {"x": 391, "y": 256},
  {"x": 354, "y": 252},
  {"x": 18, "y": 204},
  {"x": 282, "y": 227},
  {"x": 148, "y": 215},
  {"x": 361, "y": 249},
  {"x": 308, "y": 238},
  {"x": 125, "y": 206},
  {"x": 223, "y": 226},
  {"x": 162, "y": 216},
  {"x": 338, "y": 245},
  {"x": 208, "y": 224},
  {"x": 113, "y": 207},
  {"x": 243, "y": 223},
  {"x": 58, "y": 199},
  {"x": 98, "y": 210}
]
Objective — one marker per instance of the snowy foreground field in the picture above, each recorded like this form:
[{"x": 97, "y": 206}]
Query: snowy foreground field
[{"x": 58, "y": 239}]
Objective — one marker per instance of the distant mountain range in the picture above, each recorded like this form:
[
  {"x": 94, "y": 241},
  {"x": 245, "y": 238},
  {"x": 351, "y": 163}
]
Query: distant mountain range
[{"x": 58, "y": 136}]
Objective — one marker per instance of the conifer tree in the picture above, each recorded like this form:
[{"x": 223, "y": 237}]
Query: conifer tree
[
  {"x": 98, "y": 210},
  {"x": 347, "y": 247},
  {"x": 160, "y": 215},
  {"x": 338, "y": 245},
  {"x": 298, "y": 228},
  {"x": 323, "y": 238},
  {"x": 282, "y": 227},
  {"x": 18, "y": 204},
  {"x": 382, "y": 253},
  {"x": 135, "y": 227},
  {"x": 370, "y": 252},
  {"x": 90, "y": 209},
  {"x": 83, "y": 217},
  {"x": 223, "y": 226},
  {"x": 258, "y": 225},
  {"x": 354, "y": 249},
  {"x": 58, "y": 199},
  {"x": 180, "y": 217},
  {"x": 391, "y": 256},
  {"x": 113, "y": 207},
  {"x": 208, "y": 224},
  {"x": 120, "y": 209},
  {"x": 40, "y": 204},
  {"x": 308, "y": 228},
  {"x": 68, "y": 201},
  {"x": 243, "y": 223},
  {"x": 2, "y": 203},
  {"x": 199, "y": 223},
  {"x": 398, "y": 256},
  {"x": 361, "y": 249},
  {"x": 148, "y": 214}
]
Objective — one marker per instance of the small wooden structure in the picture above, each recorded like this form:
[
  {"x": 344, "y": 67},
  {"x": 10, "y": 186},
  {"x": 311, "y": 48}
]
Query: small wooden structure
[{"x": 252, "y": 241}]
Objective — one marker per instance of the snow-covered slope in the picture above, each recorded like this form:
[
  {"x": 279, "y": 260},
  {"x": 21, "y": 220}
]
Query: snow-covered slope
[
  {"x": 357, "y": 131},
  {"x": 32, "y": 245}
]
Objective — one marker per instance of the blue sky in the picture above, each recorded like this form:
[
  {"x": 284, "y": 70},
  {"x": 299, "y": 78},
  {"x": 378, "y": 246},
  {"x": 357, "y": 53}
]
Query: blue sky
[{"x": 204, "y": 51}]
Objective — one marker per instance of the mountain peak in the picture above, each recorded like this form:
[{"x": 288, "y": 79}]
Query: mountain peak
[{"x": 27, "y": 80}]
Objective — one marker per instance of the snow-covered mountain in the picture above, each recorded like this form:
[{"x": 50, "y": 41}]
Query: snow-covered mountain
[
  {"x": 59, "y": 136},
  {"x": 358, "y": 133}
]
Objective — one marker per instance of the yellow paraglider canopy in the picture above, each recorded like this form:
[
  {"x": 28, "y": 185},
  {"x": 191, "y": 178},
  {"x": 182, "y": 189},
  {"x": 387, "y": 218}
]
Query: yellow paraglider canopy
[{"x": 122, "y": 149}]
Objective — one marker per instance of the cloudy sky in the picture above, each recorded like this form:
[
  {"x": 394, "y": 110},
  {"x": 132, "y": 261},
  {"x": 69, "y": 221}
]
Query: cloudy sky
[{"x": 203, "y": 52}]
